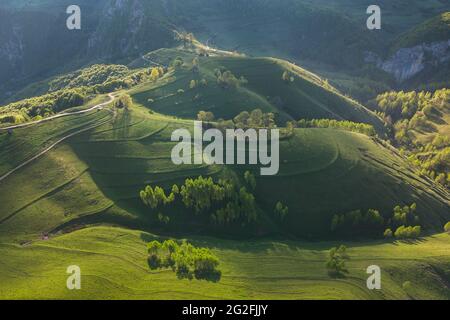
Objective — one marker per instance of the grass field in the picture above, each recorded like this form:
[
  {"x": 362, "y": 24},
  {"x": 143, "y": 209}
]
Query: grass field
[
  {"x": 84, "y": 193},
  {"x": 114, "y": 266}
]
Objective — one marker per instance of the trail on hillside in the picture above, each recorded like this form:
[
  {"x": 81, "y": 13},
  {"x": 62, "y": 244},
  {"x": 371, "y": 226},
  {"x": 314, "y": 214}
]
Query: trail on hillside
[
  {"x": 60, "y": 115},
  {"x": 23, "y": 164}
]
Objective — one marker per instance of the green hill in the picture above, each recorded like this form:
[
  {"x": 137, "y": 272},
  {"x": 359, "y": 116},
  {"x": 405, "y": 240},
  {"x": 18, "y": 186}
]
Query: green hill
[
  {"x": 308, "y": 96},
  {"x": 435, "y": 29},
  {"x": 113, "y": 263},
  {"x": 96, "y": 175},
  {"x": 77, "y": 178}
]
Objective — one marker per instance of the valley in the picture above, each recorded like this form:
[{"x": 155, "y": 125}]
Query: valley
[{"x": 88, "y": 176}]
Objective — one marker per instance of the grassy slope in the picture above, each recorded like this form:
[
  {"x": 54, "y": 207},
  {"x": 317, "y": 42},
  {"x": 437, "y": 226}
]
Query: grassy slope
[
  {"x": 308, "y": 97},
  {"x": 323, "y": 172},
  {"x": 96, "y": 176},
  {"x": 113, "y": 266}
]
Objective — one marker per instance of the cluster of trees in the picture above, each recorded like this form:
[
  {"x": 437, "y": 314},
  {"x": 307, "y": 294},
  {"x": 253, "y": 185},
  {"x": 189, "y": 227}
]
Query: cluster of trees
[
  {"x": 245, "y": 120},
  {"x": 404, "y": 232},
  {"x": 371, "y": 223},
  {"x": 357, "y": 223},
  {"x": 101, "y": 78},
  {"x": 336, "y": 261},
  {"x": 234, "y": 204},
  {"x": 433, "y": 159},
  {"x": 42, "y": 106},
  {"x": 187, "y": 38},
  {"x": 411, "y": 106},
  {"x": 74, "y": 89},
  {"x": 405, "y": 222},
  {"x": 185, "y": 259},
  {"x": 90, "y": 76},
  {"x": 124, "y": 102},
  {"x": 205, "y": 116},
  {"x": 196, "y": 83},
  {"x": 156, "y": 73},
  {"x": 404, "y": 216},
  {"x": 226, "y": 79},
  {"x": 412, "y": 113},
  {"x": 224, "y": 201},
  {"x": 363, "y": 128}
]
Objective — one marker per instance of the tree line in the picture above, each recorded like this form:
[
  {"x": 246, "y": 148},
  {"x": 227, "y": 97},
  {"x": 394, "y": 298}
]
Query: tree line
[{"x": 186, "y": 260}]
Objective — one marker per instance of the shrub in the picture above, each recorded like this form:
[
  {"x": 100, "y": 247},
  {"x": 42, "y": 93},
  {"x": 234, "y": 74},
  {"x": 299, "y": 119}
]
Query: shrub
[
  {"x": 336, "y": 261},
  {"x": 185, "y": 259},
  {"x": 388, "y": 234},
  {"x": 403, "y": 232},
  {"x": 447, "y": 227},
  {"x": 281, "y": 210}
]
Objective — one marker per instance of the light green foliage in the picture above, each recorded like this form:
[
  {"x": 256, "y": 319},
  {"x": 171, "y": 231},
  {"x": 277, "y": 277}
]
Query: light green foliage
[
  {"x": 177, "y": 63},
  {"x": 418, "y": 120},
  {"x": 42, "y": 106},
  {"x": 206, "y": 116},
  {"x": 250, "y": 179},
  {"x": 336, "y": 261},
  {"x": 356, "y": 223},
  {"x": 156, "y": 197},
  {"x": 447, "y": 227},
  {"x": 363, "y": 128},
  {"x": 281, "y": 211},
  {"x": 388, "y": 234},
  {"x": 255, "y": 119},
  {"x": 200, "y": 193},
  {"x": 98, "y": 74},
  {"x": 403, "y": 232},
  {"x": 405, "y": 216},
  {"x": 227, "y": 80},
  {"x": 185, "y": 259},
  {"x": 124, "y": 102}
]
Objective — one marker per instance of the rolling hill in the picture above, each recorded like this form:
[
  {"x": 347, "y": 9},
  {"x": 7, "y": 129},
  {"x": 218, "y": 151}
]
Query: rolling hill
[{"x": 76, "y": 179}]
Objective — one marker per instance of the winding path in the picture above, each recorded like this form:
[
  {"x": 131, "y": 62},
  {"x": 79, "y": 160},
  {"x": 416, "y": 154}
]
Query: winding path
[
  {"x": 60, "y": 115},
  {"x": 23, "y": 164}
]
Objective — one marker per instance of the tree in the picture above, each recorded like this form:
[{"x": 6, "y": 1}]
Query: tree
[
  {"x": 250, "y": 179},
  {"x": 195, "y": 65},
  {"x": 177, "y": 62},
  {"x": 155, "y": 74},
  {"x": 206, "y": 116},
  {"x": 404, "y": 232},
  {"x": 447, "y": 227},
  {"x": 388, "y": 234},
  {"x": 281, "y": 210},
  {"x": 192, "y": 84},
  {"x": 336, "y": 261},
  {"x": 124, "y": 102}
]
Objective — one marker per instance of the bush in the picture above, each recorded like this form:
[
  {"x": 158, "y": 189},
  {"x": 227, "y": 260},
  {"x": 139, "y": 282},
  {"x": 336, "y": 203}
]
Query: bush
[
  {"x": 281, "y": 210},
  {"x": 356, "y": 223},
  {"x": 388, "y": 234},
  {"x": 336, "y": 261},
  {"x": 363, "y": 128},
  {"x": 447, "y": 227},
  {"x": 403, "y": 232},
  {"x": 185, "y": 259}
]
